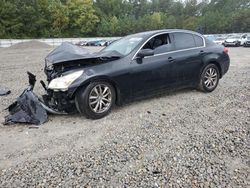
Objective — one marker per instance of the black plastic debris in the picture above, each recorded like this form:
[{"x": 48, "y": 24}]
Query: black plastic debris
[
  {"x": 4, "y": 91},
  {"x": 27, "y": 108}
]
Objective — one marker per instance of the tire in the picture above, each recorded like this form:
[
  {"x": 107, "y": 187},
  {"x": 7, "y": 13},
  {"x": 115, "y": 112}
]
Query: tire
[
  {"x": 102, "y": 102},
  {"x": 209, "y": 78}
]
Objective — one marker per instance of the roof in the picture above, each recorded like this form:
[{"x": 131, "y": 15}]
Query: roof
[{"x": 153, "y": 32}]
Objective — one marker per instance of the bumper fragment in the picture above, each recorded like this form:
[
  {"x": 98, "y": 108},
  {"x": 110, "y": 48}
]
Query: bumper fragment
[
  {"x": 26, "y": 109},
  {"x": 29, "y": 108}
]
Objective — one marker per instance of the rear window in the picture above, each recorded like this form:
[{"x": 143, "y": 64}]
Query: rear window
[
  {"x": 184, "y": 41},
  {"x": 198, "y": 41}
]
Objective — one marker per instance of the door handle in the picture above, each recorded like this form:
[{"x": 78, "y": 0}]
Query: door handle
[
  {"x": 170, "y": 59},
  {"x": 202, "y": 52}
]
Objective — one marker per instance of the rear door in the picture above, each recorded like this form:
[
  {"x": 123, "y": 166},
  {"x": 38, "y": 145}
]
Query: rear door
[{"x": 188, "y": 52}]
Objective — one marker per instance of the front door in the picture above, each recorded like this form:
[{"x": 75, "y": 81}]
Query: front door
[{"x": 153, "y": 73}]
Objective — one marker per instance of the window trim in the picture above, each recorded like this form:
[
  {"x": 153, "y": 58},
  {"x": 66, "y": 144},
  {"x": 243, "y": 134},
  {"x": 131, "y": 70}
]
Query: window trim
[
  {"x": 168, "y": 32},
  {"x": 195, "y": 41}
]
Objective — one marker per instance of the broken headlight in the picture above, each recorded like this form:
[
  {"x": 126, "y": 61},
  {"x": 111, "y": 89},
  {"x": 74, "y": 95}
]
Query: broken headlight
[{"x": 63, "y": 83}]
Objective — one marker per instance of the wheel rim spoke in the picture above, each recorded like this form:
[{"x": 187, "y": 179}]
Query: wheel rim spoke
[
  {"x": 100, "y": 89},
  {"x": 96, "y": 106},
  {"x": 107, "y": 100},
  {"x": 100, "y": 105},
  {"x": 93, "y": 97},
  {"x": 96, "y": 91},
  {"x": 94, "y": 102},
  {"x": 212, "y": 83},
  {"x": 107, "y": 94},
  {"x": 105, "y": 90}
]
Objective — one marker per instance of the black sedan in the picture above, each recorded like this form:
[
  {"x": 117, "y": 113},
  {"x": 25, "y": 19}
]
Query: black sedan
[{"x": 133, "y": 67}]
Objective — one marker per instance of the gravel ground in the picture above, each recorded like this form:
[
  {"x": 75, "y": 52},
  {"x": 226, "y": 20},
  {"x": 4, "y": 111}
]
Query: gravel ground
[{"x": 179, "y": 139}]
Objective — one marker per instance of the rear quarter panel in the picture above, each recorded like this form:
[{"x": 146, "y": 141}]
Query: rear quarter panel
[{"x": 215, "y": 54}]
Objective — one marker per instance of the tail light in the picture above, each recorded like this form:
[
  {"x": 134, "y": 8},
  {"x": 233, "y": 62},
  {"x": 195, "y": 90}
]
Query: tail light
[{"x": 226, "y": 50}]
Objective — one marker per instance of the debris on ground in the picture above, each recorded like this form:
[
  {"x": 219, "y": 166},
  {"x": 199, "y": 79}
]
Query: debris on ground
[
  {"x": 27, "y": 108},
  {"x": 4, "y": 91}
]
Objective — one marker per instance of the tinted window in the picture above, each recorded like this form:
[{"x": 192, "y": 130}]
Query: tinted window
[
  {"x": 198, "y": 40},
  {"x": 160, "y": 44},
  {"x": 183, "y": 41}
]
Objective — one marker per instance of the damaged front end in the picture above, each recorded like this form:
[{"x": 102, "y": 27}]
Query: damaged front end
[
  {"x": 64, "y": 67},
  {"x": 59, "y": 96}
]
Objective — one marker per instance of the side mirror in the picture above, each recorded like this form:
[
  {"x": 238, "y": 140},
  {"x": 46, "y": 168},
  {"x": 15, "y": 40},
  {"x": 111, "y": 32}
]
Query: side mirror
[{"x": 145, "y": 52}]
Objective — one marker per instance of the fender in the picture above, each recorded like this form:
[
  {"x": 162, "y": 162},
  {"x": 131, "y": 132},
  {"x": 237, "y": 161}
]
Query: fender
[{"x": 82, "y": 82}]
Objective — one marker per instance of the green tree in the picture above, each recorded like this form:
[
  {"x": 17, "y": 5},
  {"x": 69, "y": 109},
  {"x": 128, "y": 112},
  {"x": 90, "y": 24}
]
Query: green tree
[
  {"x": 79, "y": 18},
  {"x": 9, "y": 25},
  {"x": 82, "y": 17},
  {"x": 241, "y": 21},
  {"x": 59, "y": 19}
]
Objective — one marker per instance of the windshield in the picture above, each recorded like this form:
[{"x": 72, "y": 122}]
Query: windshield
[{"x": 125, "y": 45}]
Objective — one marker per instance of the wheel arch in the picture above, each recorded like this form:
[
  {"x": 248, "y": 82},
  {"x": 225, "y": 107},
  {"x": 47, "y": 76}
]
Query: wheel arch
[
  {"x": 217, "y": 64},
  {"x": 214, "y": 61},
  {"x": 103, "y": 79}
]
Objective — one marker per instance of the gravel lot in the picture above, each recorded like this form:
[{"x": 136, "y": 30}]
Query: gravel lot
[{"x": 179, "y": 139}]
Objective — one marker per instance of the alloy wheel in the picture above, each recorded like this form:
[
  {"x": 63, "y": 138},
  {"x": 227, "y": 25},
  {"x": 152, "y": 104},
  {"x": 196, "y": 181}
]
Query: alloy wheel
[
  {"x": 211, "y": 78},
  {"x": 100, "y": 98}
]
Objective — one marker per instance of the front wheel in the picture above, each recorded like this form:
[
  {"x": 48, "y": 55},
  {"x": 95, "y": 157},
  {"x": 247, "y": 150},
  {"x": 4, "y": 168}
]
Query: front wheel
[
  {"x": 96, "y": 100},
  {"x": 209, "y": 78}
]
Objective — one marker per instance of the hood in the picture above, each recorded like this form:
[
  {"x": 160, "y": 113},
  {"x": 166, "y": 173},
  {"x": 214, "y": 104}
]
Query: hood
[{"x": 70, "y": 52}]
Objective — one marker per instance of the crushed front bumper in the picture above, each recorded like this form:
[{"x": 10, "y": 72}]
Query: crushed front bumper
[{"x": 59, "y": 101}]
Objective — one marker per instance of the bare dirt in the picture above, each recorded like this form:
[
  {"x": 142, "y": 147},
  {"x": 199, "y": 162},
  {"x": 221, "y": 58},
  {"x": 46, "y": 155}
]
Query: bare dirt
[
  {"x": 29, "y": 45},
  {"x": 183, "y": 139}
]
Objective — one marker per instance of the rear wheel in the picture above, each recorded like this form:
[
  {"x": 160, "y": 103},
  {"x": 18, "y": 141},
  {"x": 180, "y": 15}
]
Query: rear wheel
[
  {"x": 96, "y": 100},
  {"x": 209, "y": 78}
]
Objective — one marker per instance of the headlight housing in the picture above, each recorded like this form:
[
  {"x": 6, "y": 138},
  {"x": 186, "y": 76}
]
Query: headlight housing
[{"x": 63, "y": 83}]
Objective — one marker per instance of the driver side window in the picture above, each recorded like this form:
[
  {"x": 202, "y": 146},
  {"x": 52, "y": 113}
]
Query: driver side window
[{"x": 160, "y": 44}]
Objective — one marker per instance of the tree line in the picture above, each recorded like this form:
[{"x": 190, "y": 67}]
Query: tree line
[{"x": 90, "y": 18}]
